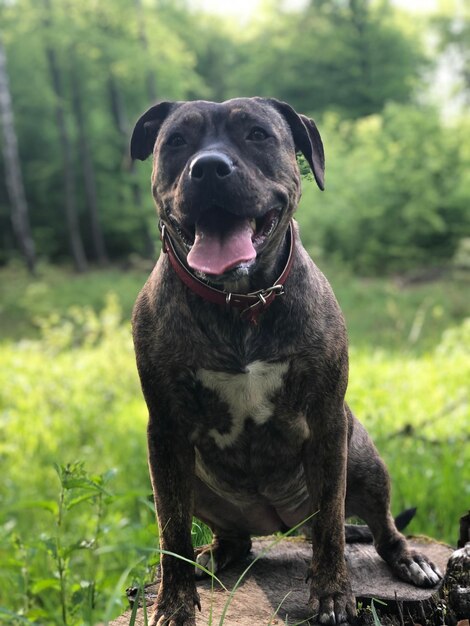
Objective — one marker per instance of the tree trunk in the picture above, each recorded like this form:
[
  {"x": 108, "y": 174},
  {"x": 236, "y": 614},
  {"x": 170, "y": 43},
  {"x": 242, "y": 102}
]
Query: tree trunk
[
  {"x": 120, "y": 120},
  {"x": 273, "y": 589},
  {"x": 152, "y": 96},
  {"x": 99, "y": 247},
  {"x": 14, "y": 179},
  {"x": 149, "y": 77},
  {"x": 117, "y": 107},
  {"x": 75, "y": 238},
  {"x": 359, "y": 10}
]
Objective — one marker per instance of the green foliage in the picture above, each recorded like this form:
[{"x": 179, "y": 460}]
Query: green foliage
[
  {"x": 47, "y": 418},
  {"x": 69, "y": 539},
  {"x": 76, "y": 518},
  {"x": 103, "y": 40},
  {"x": 25, "y": 304},
  {"x": 350, "y": 57},
  {"x": 417, "y": 410},
  {"x": 397, "y": 191}
]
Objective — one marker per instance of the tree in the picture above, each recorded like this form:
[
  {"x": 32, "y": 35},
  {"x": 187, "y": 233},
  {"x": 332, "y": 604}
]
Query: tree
[
  {"x": 149, "y": 75},
  {"x": 397, "y": 191},
  {"x": 89, "y": 178},
  {"x": 14, "y": 177},
  {"x": 69, "y": 189},
  {"x": 351, "y": 57}
]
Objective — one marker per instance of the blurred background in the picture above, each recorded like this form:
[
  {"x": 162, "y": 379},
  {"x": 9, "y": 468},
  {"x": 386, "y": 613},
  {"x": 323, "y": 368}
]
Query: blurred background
[{"x": 388, "y": 83}]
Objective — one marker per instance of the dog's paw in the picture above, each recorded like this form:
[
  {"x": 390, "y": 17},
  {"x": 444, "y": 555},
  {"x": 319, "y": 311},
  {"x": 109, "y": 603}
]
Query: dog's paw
[
  {"x": 175, "y": 617},
  {"x": 163, "y": 620},
  {"x": 220, "y": 553},
  {"x": 335, "y": 606},
  {"x": 416, "y": 569},
  {"x": 206, "y": 559},
  {"x": 175, "y": 611},
  {"x": 335, "y": 609}
]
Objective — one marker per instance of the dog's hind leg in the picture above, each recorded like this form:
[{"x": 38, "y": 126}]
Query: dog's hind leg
[
  {"x": 368, "y": 497},
  {"x": 231, "y": 526},
  {"x": 362, "y": 534}
]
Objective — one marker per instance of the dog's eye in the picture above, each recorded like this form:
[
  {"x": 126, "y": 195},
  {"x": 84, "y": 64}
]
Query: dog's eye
[
  {"x": 176, "y": 140},
  {"x": 257, "y": 134}
]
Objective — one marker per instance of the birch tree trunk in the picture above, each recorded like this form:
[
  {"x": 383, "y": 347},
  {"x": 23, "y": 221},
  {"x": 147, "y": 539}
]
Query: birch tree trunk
[{"x": 14, "y": 178}]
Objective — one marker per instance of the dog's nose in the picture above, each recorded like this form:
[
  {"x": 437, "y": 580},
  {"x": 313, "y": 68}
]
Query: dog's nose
[{"x": 211, "y": 164}]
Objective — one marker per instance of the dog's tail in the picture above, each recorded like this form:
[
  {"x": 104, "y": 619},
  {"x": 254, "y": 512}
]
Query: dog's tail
[{"x": 362, "y": 534}]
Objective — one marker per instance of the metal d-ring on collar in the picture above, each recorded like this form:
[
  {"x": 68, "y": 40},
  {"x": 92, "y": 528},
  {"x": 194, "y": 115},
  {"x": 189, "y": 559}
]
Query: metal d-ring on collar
[{"x": 251, "y": 304}]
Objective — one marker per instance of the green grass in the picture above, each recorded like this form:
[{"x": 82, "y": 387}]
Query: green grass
[
  {"x": 76, "y": 520},
  {"x": 379, "y": 312},
  {"x": 23, "y": 300}
]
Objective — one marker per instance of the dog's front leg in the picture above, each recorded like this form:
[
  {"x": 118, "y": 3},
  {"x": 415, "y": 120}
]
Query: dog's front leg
[
  {"x": 324, "y": 460},
  {"x": 171, "y": 461}
]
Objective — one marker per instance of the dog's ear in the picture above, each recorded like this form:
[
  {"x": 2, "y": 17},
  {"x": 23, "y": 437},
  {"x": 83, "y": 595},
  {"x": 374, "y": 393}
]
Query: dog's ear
[
  {"x": 146, "y": 129},
  {"x": 306, "y": 138}
]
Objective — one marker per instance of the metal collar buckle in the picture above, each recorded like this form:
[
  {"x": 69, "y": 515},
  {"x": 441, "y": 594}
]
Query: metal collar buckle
[{"x": 264, "y": 296}]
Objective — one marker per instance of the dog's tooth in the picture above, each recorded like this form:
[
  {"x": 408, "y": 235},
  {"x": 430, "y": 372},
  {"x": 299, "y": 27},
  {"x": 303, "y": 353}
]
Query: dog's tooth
[{"x": 253, "y": 224}]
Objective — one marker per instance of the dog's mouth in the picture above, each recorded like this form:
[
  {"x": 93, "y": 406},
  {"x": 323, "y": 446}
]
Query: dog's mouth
[{"x": 221, "y": 241}]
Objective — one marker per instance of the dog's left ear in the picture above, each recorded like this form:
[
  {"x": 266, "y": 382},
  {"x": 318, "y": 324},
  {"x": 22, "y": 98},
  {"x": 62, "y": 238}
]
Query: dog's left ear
[
  {"x": 146, "y": 129},
  {"x": 306, "y": 137}
]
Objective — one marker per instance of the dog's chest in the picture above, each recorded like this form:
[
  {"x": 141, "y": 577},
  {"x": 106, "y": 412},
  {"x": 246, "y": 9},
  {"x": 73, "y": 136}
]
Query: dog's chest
[
  {"x": 249, "y": 434},
  {"x": 247, "y": 395}
]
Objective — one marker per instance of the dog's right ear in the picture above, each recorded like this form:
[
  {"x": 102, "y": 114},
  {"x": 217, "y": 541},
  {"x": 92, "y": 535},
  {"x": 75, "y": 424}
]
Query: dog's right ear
[
  {"x": 146, "y": 130},
  {"x": 306, "y": 137}
]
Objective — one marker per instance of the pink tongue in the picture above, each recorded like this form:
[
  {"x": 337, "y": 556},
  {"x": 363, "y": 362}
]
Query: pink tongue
[{"x": 222, "y": 241}]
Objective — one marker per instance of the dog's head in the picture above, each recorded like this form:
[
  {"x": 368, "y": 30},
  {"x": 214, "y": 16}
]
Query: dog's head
[{"x": 225, "y": 178}]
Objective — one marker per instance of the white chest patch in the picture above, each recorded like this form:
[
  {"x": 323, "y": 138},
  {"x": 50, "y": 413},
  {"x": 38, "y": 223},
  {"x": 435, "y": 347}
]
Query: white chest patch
[{"x": 247, "y": 394}]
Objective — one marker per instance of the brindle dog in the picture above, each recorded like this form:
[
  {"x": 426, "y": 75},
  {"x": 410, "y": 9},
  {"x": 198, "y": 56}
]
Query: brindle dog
[{"x": 248, "y": 427}]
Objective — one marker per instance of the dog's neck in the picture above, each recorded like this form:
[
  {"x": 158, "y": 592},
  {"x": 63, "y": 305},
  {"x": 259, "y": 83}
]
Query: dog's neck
[{"x": 251, "y": 303}]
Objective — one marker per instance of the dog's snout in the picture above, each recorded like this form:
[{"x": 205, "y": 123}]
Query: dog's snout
[{"x": 210, "y": 165}]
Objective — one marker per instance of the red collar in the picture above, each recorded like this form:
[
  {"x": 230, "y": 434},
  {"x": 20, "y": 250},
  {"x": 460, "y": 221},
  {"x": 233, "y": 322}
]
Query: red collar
[{"x": 252, "y": 304}]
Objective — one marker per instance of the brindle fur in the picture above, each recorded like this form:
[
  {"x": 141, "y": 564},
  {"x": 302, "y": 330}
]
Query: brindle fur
[{"x": 312, "y": 452}]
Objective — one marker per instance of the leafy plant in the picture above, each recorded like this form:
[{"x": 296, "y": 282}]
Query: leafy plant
[{"x": 396, "y": 191}]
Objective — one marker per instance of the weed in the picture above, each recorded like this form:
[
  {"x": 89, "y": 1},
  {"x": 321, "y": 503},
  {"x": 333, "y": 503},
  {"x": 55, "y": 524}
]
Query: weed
[{"x": 375, "y": 616}]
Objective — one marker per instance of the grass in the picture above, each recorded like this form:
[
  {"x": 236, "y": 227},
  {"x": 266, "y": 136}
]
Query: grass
[
  {"x": 76, "y": 517},
  {"x": 379, "y": 312},
  {"x": 23, "y": 300}
]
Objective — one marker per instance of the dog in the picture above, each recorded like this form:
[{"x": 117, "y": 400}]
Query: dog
[{"x": 242, "y": 353}]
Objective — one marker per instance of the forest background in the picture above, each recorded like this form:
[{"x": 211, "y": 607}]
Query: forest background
[{"x": 389, "y": 88}]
